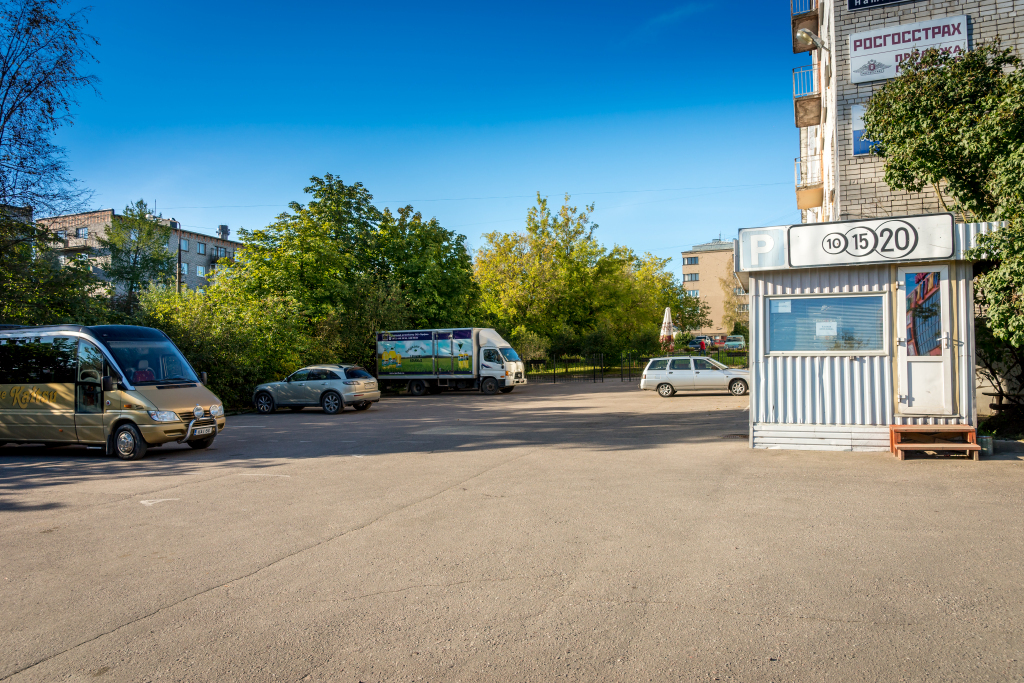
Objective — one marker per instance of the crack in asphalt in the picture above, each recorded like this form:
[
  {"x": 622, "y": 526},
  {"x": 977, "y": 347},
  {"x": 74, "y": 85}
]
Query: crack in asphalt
[{"x": 266, "y": 566}]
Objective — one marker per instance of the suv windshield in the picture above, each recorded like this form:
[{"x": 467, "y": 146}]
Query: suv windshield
[
  {"x": 509, "y": 353},
  {"x": 357, "y": 373},
  {"x": 151, "y": 361}
]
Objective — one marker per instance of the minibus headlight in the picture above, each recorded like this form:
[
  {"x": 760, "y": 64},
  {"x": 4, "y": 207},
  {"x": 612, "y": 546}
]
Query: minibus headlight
[
  {"x": 163, "y": 415},
  {"x": 216, "y": 410}
]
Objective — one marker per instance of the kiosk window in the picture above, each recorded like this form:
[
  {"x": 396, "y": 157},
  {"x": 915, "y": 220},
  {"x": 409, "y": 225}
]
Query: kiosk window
[{"x": 824, "y": 324}]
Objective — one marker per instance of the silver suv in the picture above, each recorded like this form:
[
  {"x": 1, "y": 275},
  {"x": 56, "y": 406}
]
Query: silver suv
[
  {"x": 332, "y": 387},
  {"x": 695, "y": 373}
]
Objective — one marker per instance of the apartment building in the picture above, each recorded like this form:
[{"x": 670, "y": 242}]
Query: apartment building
[
  {"x": 860, "y": 44},
  {"x": 197, "y": 254},
  {"x": 708, "y": 275}
]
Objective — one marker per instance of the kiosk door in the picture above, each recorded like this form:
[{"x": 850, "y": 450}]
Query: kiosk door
[{"x": 924, "y": 357}]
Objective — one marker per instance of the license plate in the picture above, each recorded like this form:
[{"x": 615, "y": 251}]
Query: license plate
[{"x": 202, "y": 430}]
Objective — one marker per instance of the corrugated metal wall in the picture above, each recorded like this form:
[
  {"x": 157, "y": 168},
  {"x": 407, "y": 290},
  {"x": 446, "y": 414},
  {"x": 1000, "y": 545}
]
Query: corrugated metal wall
[{"x": 827, "y": 390}]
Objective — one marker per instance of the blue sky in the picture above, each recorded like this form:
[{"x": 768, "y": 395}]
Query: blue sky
[{"x": 675, "y": 119}]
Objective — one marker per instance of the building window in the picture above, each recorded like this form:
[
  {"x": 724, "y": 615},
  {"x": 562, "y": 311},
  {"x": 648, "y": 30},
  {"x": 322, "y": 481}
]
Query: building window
[
  {"x": 222, "y": 252},
  {"x": 690, "y": 260},
  {"x": 738, "y": 291},
  {"x": 62, "y": 235},
  {"x": 693, "y": 292},
  {"x": 743, "y": 308},
  {"x": 231, "y": 254},
  {"x": 691, "y": 277},
  {"x": 82, "y": 233},
  {"x": 823, "y": 324},
  {"x": 200, "y": 247},
  {"x": 200, "y": 290},
  {"x": 200, "y": 271},
  {"x": 184, "y": 245},
  {"x": 184, "y": 269}
]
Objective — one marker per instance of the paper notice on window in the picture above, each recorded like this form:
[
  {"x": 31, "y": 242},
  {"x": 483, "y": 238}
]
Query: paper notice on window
[
  {"x": 826, "y": 329},
  {"x": 784, "y": 306}
]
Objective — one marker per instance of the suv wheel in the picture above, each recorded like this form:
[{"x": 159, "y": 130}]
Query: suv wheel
[
  {"x": 128, "y": 442},
  {"x": 489, "y": 386},
  {"x": 264, "y": 403},
  {"x": 666, "y": 390},
  {"x": 737, "y": 387},
  {"x": 331, "y": 403}
]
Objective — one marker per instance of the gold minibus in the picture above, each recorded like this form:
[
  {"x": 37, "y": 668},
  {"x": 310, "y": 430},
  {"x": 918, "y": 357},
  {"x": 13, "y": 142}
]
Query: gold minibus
[{"x": 120, "y": 387}]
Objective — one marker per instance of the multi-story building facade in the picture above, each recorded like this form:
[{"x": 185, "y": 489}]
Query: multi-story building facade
[
  {"x": 860, "y": 46},
  {"x": 708, "y": 275},
  {"x": 197, "y": 254}
]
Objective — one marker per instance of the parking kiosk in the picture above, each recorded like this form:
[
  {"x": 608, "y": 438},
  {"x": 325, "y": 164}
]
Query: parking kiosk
[{"x": 856, "y": 326}]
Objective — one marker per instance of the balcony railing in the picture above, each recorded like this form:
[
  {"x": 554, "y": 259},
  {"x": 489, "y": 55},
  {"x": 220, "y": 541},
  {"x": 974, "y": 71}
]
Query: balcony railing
[
  {"x": 802, "y": 6},
  {"x": 805, "y": 81},
  {"x": 807, "y": 171}
]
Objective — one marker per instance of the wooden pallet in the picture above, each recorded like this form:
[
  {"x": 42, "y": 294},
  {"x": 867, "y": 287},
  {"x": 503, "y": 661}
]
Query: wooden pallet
[{"x": 903, "y": 438}]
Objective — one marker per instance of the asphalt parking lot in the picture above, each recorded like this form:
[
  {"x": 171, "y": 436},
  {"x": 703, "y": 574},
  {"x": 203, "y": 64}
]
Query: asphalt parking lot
[{"x": 567, "y": 532}]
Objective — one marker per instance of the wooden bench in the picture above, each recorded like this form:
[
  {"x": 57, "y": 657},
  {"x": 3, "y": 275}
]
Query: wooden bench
[{"x": 904, "y": 438}]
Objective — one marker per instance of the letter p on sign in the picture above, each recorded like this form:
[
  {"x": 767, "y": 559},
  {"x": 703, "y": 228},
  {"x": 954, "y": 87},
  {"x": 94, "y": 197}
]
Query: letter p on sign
[{"x": 762, "y": 248}]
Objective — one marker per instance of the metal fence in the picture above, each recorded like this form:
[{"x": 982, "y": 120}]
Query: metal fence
[
  {"x": 805, "y": 81},
  {"x": 802, "y": 6},
  {"x": 628, "y": 367},
  {"x": 807, "y": 170}
]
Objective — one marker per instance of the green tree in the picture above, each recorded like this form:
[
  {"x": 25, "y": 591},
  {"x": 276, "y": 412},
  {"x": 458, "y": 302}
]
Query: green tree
[
  {"x": 555, "y": 282},
  {"x": 37, "y": 285},
  {"x": 135, "y": 253},
  {"x": 955, "y": 122}
]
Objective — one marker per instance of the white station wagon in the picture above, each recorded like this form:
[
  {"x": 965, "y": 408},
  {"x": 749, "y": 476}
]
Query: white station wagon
[
  {"x": 331, "y": 387},
  {"x": 669, "y": 375}
]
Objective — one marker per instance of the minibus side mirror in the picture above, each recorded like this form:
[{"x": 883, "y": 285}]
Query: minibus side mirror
[
  {"x": 108, "y": 383},
  {"x": 202, "y": 378}
]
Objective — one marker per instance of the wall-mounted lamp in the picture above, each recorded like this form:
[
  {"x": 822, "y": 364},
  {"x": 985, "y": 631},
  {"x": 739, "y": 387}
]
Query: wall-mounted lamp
[{"x": 808, "y": 38}]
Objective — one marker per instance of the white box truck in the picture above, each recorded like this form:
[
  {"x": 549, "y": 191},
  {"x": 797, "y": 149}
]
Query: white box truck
[{"x": 432, "y": 361}]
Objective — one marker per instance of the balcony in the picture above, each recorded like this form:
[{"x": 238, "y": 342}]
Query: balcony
[
  {"x": 806, "y": 96},
  {"x": 807, "y": 178},
  {"x": 804, "y": 14}
]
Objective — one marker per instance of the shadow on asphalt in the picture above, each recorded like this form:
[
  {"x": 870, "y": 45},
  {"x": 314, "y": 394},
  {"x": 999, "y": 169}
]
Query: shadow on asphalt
[{"x": 445, "y": 423}]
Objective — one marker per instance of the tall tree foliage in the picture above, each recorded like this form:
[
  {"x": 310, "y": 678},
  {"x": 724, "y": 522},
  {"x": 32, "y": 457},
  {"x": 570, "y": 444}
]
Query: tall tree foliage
[
  {"x": 135, "y": 252},
  {"x": 555, "y": 282},
  {"x": 343, "y": 259},
  {"x": 36, "y": 288},
  {"x": 43, "y": 50},
  {"x": 955, "y": 123}
]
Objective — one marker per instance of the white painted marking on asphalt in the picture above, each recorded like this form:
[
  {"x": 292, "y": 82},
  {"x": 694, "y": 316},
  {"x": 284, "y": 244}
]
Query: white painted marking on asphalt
[
  {"x": 266, "y": 475},
  {"x": 151, "y": 503}
]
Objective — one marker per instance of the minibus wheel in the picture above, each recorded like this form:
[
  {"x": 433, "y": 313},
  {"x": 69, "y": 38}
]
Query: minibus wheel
[
  {"x": 128, "y": 443},
  {"x": 200, "y": 444}
]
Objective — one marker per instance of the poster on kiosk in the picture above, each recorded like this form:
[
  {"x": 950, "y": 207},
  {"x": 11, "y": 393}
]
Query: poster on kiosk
[{"x": 871, "y": 306}]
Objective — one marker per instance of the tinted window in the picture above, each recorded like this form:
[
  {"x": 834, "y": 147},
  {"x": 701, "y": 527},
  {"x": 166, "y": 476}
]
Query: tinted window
[
  {"x": 357, "y": 373},
  {"x": 703, "y": 364},
  {"x": 299, "y": 376},
  {"x": 37, "y": 360},
  {"x": 681, "y": 364},
  {"x": 331, "y": 375},
  {"x": 658, "y": 365}
]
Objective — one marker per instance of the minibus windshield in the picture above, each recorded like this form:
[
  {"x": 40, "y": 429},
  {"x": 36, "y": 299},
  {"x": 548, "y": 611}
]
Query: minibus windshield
[{"x": 151, "y": 361}]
